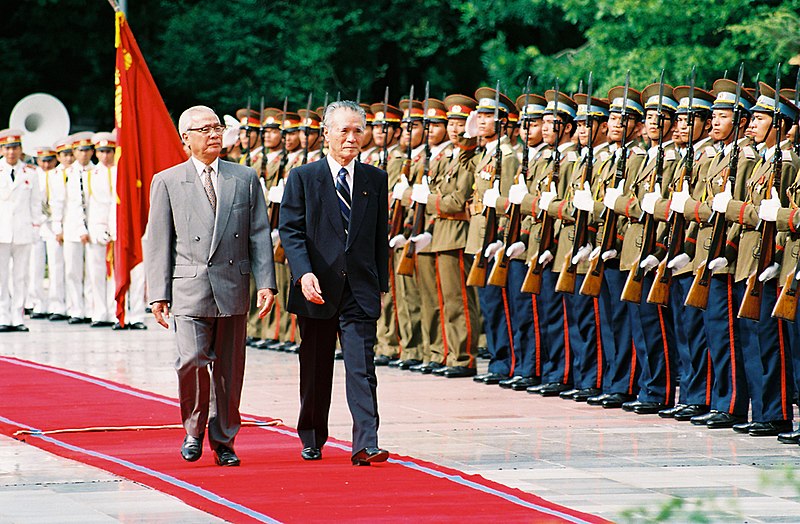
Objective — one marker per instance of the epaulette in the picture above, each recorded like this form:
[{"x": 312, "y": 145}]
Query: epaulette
[
  {"x": 749, "y": 153},
  {"x": 669, "y": 154},
  {"x": 395, "y": 153},
  {"x": 547, "y": 154},
  {"x": 786, "y": 156},
  {"x": 572, "y": 156},
  {"x": 506, "y": 149},
  {"x": 602, "y": 156},
  {"x": 710, "y": 151},
  {"x": 636, "y": 150}
]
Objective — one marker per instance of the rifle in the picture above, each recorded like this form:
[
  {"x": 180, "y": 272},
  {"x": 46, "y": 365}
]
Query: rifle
[
  {"x": 659, "y": 292},
  {"x": 262, "y": 170},
  {"x": 322, "y": 128},
  {"x": 499, "y": 274},
  {"x": 308, "y": 130},
  {"x": 279, "y": 256},
  {"x": 751, "y": 302},
  {"x": 786, "y": 307},
  {"x": 246, "y": 151},
  {"x": 477, "y": 272},
  {"x": 385, "y": 129},
  {"x": 594, "y": 277},
  {"x": 698, "y": 292},
  {"x": 398, "y": 212},
  {"x": 408, "y": 257},
  {"x": 358, "y": 103},
  {"x": 567, "y": 276},
  {"x": 632, "y": 291}
]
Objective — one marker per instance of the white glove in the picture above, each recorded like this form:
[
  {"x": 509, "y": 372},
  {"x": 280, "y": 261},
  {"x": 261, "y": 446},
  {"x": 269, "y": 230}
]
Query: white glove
[
  {"x": 517, "y": 192},
  {"x": 608, "y": 255},
  {"x": 679, "y": 199},
  {"x": 583, "y": 254},
  {"x": 595, "y": 253},
  {"x": 471, "y": 126},
  {"x": 545, "y": 258},
  {"x": 612, "y": 194},
  {"x": 650, "y": 199},
  {"x": 275, "y": 193},
  {"x": 397, "y": 241},
  {"x": 768, "y": 210},
  {"x": 770, "y": 273},
  {"x": 275, "y": 236},
  {"x": 491, "y": 195},
  {"x": 421, "y": 192},
  {"x": 720, "y": 203},
  {"x": 649, "y": 263},
  {"x": 679, "y": 262},
  {"x": 517, "y": 248},
  {"x": 400, "y": 188},
  {"x": 583, "y": 198},
  {"x": 493, "y": 248},
  {"x": 547, "y": 196},
  {"x": 718, "y": 263},
  {"x": 421, "y": 241}
]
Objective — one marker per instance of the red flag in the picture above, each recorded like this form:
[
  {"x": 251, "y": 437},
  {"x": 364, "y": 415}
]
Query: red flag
[{"x": 148, "y": 143}]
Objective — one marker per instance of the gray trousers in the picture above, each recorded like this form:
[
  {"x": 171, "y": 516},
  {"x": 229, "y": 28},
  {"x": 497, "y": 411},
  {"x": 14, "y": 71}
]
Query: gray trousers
[{"x": 210, "y": 368}]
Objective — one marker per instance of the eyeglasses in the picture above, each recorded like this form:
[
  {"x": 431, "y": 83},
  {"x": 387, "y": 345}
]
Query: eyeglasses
[{"x": 206, "y": 130}]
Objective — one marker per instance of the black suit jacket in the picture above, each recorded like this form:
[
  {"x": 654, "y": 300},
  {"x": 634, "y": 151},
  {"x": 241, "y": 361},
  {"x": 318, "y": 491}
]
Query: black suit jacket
[{"x": 313, "y": 237}]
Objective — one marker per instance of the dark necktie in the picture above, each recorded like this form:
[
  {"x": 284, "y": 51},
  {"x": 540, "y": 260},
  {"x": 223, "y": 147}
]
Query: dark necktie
[
  {"x": 12, "y": 175},
  {"x": 343, "y": 192}
]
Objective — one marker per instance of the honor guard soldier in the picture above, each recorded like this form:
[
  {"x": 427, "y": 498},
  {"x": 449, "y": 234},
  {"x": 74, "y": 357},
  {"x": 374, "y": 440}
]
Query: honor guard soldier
[
  {"x": 101, "y": 223},
  {"x": 76, "y": 234},
  {"x": 55, "y": 198},
  {"x": 36, "y": 301},
  {"x": 367, "y": 142},
  {"x": 20, "y": 216},
  {"x": 407, "y": 158},
  {"x": 385, "y": 134},
  {"x": 767, "y": 358},
  {"x": 494, "y": 302},
  {"x": 310, "y": 134},
  {"x": 249, "y": 136}
]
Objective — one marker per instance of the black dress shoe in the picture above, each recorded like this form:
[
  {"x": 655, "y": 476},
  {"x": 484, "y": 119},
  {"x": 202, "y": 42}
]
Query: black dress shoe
[
  {"x": 192, "y": 448},
  {"x": 692, "y": 410},
  {"x": 38, "y": 316},
  {"x": 701, "y": 420},
  {"x": 791, "y": 437},
  {"x": 724, "y": 420},
  {"x": 567, "y": 395},
  {"x": 6, "y": 329},
  {"x": 484, "y": 353},
  {"x": 494, "y": 378},
  {"x": 22, "y": 328},
  {"x": 417, "y": 368},
  {"x": 101, "y": 324},
  {"x": 57, "y": 317},
  {"x": 439, "y": 372},
  {"x": 526, "y": 383},
  {"x": 670, "y": 412},
  {"x": 395, "y": 362},
  {"x": 338, "y": 356},
  {"x": 616, "y": 400},
  {"x": 311, "y": 454},
  {"x": 553, "y": 389},
  {"x": 432, "y": 367},
  {"x": 630, "y": 405},
  {"x": 506, "y": 383},
  {"x": 224, "y": 456},
  {"x": 137, "y": 326},
  {"x": 367, "y": 456},
  {"x": 584, "y": 394},
  {"x": 248, "y": 341},
  {"x": 407, "y": 363},
  {"x": 459, "y": 372},
  {"x": 119, "y": 327},
  {"x": 381, "y": 360},
  {"x": 773, "y": 428},
  {"x": 649, "y": 408},
  {"x": 744, "y": 427},
  {"x": 74, "y": 320},
  {"x": 597, "y": 400},
  {"x": 479, "y": 378},
  {"x": 261, "y": 344},
  {"x": 27, "y": 310},
  {"x": 292, "y": 347}
]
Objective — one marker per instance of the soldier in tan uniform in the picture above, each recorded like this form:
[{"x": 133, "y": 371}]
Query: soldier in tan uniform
[
  {"x": 249, "y": 136},
  {"x": 367, "y": 142}
]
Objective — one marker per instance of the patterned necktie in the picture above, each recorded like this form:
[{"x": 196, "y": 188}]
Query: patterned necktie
[
  {"x": 12, "y": 175},
  {"x": 343, "y": 192},
  {"x": 209, "y": 187}
]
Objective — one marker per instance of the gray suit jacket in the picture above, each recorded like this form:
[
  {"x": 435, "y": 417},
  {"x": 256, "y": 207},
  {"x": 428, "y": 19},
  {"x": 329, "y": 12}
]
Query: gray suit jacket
[{"x": 199, "y": 263}]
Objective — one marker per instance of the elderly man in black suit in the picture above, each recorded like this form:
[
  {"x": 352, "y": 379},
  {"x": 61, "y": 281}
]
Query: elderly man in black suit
[{"x": 333, "y": 226}]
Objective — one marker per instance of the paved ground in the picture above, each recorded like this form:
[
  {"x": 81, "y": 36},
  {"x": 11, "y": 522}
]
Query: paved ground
[{"x": 599, "y": 461}]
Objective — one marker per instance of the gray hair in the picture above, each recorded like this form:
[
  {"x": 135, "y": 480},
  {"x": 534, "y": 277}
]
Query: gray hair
[
  {"x": 185, "y": 121},
  {"x": 343, "y": 104}
]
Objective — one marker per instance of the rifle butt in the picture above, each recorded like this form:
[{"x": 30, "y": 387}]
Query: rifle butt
[
  {"x": 278, "y": 254},
  {"x": 632, "y": 290},
  {"x": 397, "y": 219},
  {"x": 659, "y": 292},
  {"x": 567, "y": 276},
  {"x": 786, "y": 306},
  {"x": 697, "y": 296},
  {"x": 477, "y": 272},
  {"x": 533, "y": 278},
  {"x": 407, "y": 261},
  {"x": 593, "y": 280},
  {"x": 751, "y": 302},
  {"x": 499, "y": 274}
]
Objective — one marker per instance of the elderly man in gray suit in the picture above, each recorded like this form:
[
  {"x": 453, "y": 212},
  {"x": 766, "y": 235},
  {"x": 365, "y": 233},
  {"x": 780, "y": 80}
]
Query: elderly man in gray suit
[{"x": 207, "y": 233}]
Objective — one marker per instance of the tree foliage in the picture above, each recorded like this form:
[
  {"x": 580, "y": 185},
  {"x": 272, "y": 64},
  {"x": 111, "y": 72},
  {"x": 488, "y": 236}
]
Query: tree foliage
[{"x": 220, "y": 52}]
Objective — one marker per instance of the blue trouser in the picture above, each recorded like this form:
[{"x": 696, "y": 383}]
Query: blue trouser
[
  {"x": 622, "y": 370},
  {"x": 691, "y": 345},
  {"x": 557, "y": 361},
  {"x": 525, "y": 324},
  {"x": 587, "y": 348},
  {"x": 654, "y": 340},
  {"x": 496, "y": 324}
]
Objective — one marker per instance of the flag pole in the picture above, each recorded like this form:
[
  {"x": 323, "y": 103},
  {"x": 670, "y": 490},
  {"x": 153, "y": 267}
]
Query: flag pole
[{"x": 115, "y": 6}]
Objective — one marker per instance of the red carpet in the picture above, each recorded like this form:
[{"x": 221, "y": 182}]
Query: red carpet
[{"x": 273, "y": 483}]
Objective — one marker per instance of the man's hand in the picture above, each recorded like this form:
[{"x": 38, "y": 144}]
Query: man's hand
[
  {"x": 768, "y": 210},
  {"x": 491, "y": 195},
  {"x": 515, "y": 249},
  {"x": 422, "y": 240},
  {"x": 583, "y": 254},
  {"x": 421, "y": 192},
  {"x": 771, "y": 272},
  {"x": 679, "y": 199},
  {"x": 679, "y": 262},
  {"x": 517, "y": 192},
  {"x": 85, "y": 239},
  {"x": 612, "y": 194},
  {"x": 493, "y": 248},
  {"x": 60, "y": 238},
  {"x": 545, "y": 258},
  {"x": 275, "y": 236},
  {"x": 161, "y": 312},
  {"x": 471, "y": 126},
  {"x": 400, "y": 188},
  {"x": 310, "y": 287},
  {"x": 397, "y": 241},
  {"x": 649, "y": 263},
  {"x": 583, "y": 199},
  {"x": 649, "y": 200},
  {"x": 547, "y": 196},
  {"x": 275, "y": 193},
  {"x": 266, "y": 298},
  {"x": 718, "y": 263},
  {"x": 720, "y": 202}
]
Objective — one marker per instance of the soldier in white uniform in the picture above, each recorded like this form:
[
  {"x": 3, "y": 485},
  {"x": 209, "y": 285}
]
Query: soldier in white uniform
[
  {"x": 54, "y": 198},
  {"x": 36, "y": 301},
  {"x": 20, "y": 215},
  {"x": 76, "y": 233}
]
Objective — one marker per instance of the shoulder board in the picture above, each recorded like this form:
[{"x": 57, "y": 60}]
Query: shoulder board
[
  {"x": 710, "y": 151},
  {"x": 669, "y": 154},
  {"x": 506, "y": 149},
  {"x": 602, "y": 156},
  {"x": 571, "y": 156},
  {"x": 787, "y": 155},
  {"x": 749, "y": 153},
  {"x": 547, "y": 154},
  {"x": 638, "y": 151},
  {"x": 395, "y": 153}
]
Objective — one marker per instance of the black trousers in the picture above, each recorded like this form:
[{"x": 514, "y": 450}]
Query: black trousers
[{"x": 356, "y": 331}]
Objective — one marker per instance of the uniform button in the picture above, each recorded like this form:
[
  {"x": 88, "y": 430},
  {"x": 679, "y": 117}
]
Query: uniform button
[
  {"x": 236, "y": 235},
  {"x": 197, "y": 239},
  {"x": 210, "y": 264},
  {"x": 230, "y": 262},
  {"x": 344, "y": 273}
]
